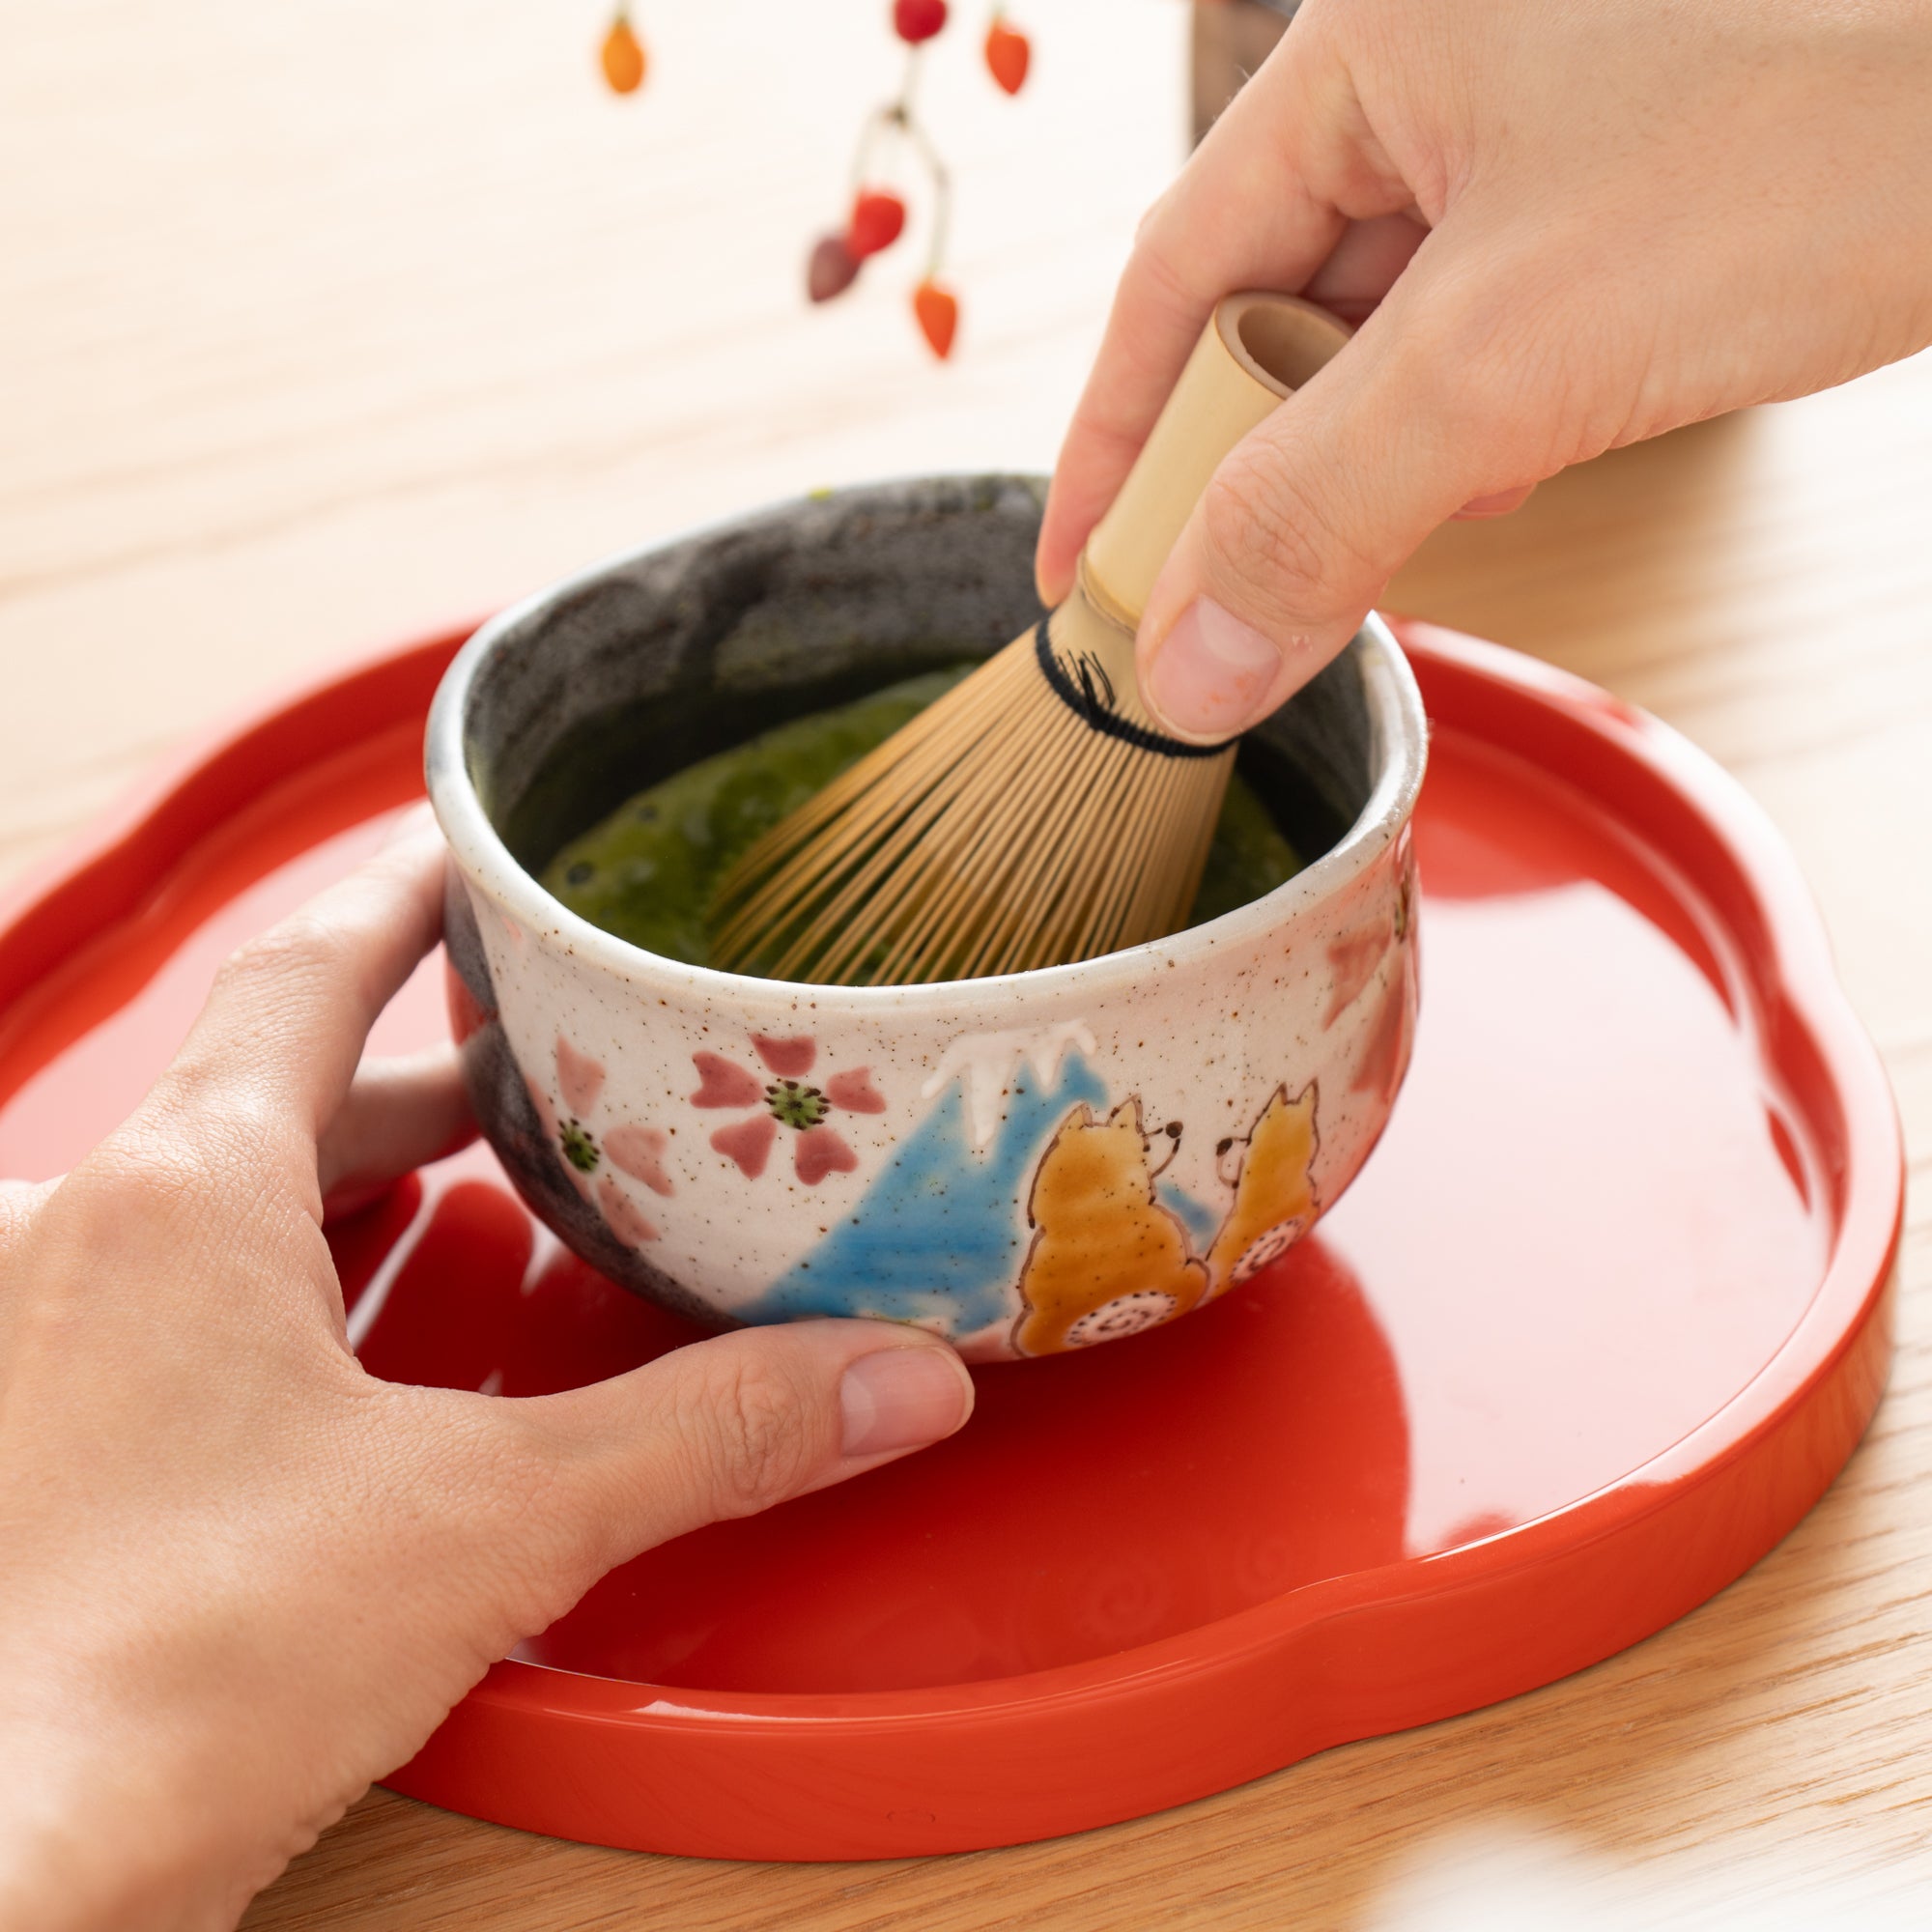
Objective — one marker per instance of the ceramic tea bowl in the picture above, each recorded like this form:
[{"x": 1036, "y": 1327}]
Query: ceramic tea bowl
[{"x": 1025, "y": 1164}]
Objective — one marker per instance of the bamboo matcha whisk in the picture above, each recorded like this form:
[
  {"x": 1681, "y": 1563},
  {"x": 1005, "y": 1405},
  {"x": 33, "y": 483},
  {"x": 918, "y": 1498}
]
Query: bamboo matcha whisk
[{"x": 1035, "y": 815}]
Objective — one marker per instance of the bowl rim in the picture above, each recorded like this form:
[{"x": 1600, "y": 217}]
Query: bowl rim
[{"x": 1397, "y": 725}]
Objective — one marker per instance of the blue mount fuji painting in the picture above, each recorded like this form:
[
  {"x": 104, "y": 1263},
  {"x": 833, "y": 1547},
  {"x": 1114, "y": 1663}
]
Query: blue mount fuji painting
[{"x": 939, "y": 1237}]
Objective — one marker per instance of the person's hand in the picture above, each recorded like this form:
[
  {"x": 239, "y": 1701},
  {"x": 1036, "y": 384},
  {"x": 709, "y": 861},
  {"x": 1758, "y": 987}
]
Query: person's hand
[
  {"x": 1568, "y": 228},
  {"x": 240, "y": 1578}
]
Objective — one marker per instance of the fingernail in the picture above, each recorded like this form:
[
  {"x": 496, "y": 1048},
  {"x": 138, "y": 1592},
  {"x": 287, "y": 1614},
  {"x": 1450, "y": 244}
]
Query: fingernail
[
  {"x": 1211, "y": 673},
  {"x": 1051, "y": 586},
  {"x": 1497, "y": 504},
  {"x": 902, "y": 1399}
]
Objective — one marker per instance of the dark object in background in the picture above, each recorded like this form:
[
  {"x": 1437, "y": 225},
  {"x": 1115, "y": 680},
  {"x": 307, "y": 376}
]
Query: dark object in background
[{"x": 1232, "y": 37}]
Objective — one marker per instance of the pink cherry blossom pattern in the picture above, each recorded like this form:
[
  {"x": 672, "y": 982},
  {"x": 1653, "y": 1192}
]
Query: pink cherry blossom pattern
[
  {"x": 1358, "y": 955},
  {"x": 855, "y": 1092},
  {"x": 1353, "y": 959},
  {"x": 786, "y": 1101},
  {"x": 623, "y": 1216},
  {"x": 748, "y": 1143},
  {"x": 822, "y": 1150},
  {"x": 578, "y": 1148},
  {"x": 724, "y": 1084},
  {"x": 639, "y": 1152},
  {"x": 1390, "y": 1040},
  {"x": 635, "y": 1150},
  {"x": 578, "y": 1077},
  {"x": 789, "y": 1058}
]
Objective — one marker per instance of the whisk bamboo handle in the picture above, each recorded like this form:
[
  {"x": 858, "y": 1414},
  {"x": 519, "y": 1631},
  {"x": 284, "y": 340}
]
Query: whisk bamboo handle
[
  {"x": 1036, "y": 813},
  {"x": 1256, "y": 350}
]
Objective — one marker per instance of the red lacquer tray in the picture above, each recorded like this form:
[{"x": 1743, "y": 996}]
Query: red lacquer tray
[{"x": 1600, "y": 1320}]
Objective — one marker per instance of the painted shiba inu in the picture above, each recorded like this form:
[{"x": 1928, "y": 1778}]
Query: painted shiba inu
[
  {"x": 1274, "y": 1194},
  {"x": 1107, "y": 1258}
]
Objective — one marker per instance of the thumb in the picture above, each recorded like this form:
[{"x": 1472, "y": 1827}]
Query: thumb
[
  {"x": 733, "y": 1425},
  {"x": 1304, "y": 522},
  {"x": 19, "y": 1202}
]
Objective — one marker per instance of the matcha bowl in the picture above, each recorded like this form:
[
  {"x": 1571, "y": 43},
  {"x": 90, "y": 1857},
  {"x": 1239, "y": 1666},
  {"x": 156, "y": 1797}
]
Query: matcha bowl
[{"x": 1025, "y": 1164}]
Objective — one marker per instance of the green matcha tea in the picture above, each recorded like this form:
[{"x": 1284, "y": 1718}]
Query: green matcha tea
[{"x": 647, "y": 873}]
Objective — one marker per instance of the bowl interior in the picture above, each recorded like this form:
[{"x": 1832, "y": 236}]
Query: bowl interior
[{"x": 643, "y": 665}]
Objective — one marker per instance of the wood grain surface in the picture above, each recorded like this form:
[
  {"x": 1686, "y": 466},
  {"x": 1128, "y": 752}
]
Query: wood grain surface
[{"x": 318, "y": 327}]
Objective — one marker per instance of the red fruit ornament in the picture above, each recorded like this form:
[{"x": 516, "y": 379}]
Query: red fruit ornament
[
  {"x": 916, "y": 20},
  {"x": 832, "y": 269},
  {"x": 878, "y": 218},
  {"x": 938, "y": 311},
  {"x": 1007, "y": 52},
  {"x": 623, "y": 56}
]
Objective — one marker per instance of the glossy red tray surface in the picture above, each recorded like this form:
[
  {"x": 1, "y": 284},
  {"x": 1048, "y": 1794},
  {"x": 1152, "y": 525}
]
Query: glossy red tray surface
[{"x": 1597, "y": 1325}]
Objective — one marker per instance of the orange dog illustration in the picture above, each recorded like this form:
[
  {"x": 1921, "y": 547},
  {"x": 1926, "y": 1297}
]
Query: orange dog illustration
[
  {"x": 1107, "y": 1258},
  {"x": 1274, "y": 1195}
]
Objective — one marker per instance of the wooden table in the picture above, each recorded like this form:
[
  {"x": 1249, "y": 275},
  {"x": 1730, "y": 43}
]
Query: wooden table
[{"x": 320, "y": 326}]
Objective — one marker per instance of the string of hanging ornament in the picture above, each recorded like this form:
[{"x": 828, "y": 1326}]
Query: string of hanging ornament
[{"x": 893, "y": 142}]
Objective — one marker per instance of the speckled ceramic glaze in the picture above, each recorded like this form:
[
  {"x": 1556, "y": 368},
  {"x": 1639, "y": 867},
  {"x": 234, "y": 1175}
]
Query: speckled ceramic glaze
[{"x": 1025, "y": 1164}]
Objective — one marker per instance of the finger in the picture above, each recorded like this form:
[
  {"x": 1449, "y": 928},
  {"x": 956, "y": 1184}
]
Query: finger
[
  {"x": 1364, "y": 264},
  {"x": 400, "y": 1114},
  {"x": 1262, "y": 204},
  {"x": 19, "y": 1202},
  {"x": 1303, "y": 524},
  {"x": 278, "y": 1041},
  {"x": 731, "y": 1426}
]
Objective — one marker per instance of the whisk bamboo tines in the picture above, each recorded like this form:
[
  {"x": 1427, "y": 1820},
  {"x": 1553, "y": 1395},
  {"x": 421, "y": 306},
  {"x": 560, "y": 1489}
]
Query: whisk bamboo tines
[{"x": 1035, "y": 815}]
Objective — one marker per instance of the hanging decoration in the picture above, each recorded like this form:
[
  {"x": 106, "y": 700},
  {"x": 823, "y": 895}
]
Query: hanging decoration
[
  {"x": 892, "y": 143},
  {"x": 1007, "y": 52},
  {"x": 622, "y": 54}
]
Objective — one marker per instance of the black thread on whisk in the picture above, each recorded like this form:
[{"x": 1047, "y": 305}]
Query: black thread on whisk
[{"x": 1094, "y": 702}]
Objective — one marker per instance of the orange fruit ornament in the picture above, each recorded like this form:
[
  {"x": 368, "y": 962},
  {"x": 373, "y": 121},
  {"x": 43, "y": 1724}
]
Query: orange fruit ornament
[
  {"x": 623, "y": 56},
  {"x": 916, "y": 20},
  {"x": 878, "y": 218},
  {"x": 1007, "y": 52},
  {"x": 830, "y": 269},
  {"x": 938, "y": 311}
]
